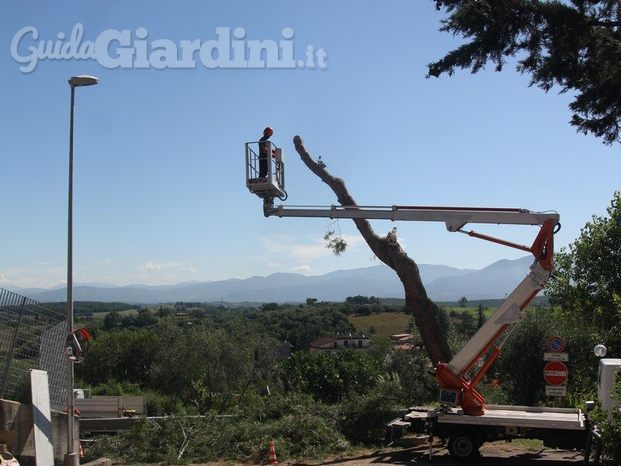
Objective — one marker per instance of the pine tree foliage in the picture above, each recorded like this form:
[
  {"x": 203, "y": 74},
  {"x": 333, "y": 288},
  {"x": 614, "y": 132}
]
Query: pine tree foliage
[{"x": 575, "y": 45}]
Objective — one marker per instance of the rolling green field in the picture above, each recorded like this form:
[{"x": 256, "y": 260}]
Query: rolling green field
[
  {"x": 126, "y": 312},
  {"x": 385, "y": 323},
  {"x": 389, "y": 323}
]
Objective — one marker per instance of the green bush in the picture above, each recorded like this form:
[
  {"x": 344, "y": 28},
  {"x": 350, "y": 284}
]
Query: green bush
[
  {"x": 418, "y": 385},
  {"x": 159, "y": 404},
  {"x": 116, "y": 388},
  {"x": 309, "y": 430},
  {"x": 364, "y": 416},
  {"x": 611, "y": 430},
  {"x": 331, "y": 378}
]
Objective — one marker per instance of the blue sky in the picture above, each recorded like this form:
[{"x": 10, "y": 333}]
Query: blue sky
[{"x": 159, "y": 173}]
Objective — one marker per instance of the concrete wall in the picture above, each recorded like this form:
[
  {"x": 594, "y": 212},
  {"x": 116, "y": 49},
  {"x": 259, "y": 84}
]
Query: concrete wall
[{"x": 16, "y": 431}]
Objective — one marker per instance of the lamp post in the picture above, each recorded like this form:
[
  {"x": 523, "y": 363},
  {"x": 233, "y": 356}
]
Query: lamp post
[{"x": 72, "y": 458}]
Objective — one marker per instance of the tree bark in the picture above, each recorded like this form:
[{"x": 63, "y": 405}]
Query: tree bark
[{"x": 387, "y": 250}]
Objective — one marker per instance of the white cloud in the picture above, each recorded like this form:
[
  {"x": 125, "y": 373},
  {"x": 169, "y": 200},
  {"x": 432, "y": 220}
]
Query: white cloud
[
  {"x": 158, "y": 273},
  {"x": 303, "y": 252},
  {"x": 302, "y": 268},
  {"x": 26, "y": 277},
  {"x": 151, "y": 266},
  {"x": 283, "y": 247}
]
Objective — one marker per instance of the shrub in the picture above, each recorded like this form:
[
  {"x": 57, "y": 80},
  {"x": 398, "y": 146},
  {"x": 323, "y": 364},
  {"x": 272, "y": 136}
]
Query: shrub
[
  {"x": 611, "y": 429},
  {"x": 309, "y": 430},
  {"x": 364, "y": 416}
]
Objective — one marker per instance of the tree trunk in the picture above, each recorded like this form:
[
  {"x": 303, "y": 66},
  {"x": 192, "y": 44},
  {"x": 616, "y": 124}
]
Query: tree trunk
[{"x": 389, "y": 252}]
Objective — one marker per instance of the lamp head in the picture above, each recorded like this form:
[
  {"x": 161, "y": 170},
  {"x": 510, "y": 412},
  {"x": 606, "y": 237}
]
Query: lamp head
[
  {"x": 83, "y": 80},
  {"x": 600, "y": 351}
]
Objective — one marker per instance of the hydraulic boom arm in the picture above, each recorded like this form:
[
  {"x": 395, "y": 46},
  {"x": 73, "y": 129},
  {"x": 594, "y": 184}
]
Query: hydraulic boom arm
[{"x": 458, "y": 378}]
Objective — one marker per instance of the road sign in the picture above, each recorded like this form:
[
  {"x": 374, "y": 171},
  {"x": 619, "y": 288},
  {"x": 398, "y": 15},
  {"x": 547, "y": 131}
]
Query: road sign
[
  {"x": 555, "y": 373},
  {"x": 556, "y": 344},
  {"x": 556, "y": 390},
  {"x": 556, "y": 357}
]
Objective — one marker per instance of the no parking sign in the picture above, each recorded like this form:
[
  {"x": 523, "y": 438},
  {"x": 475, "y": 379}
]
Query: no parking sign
[
  {"x": 555, "y": 371},
  {"x": 556, "y": 344}
]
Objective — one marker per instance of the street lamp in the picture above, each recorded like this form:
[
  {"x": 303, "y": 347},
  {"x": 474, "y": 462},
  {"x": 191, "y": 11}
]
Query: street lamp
[{"x": 72, "y": 458}]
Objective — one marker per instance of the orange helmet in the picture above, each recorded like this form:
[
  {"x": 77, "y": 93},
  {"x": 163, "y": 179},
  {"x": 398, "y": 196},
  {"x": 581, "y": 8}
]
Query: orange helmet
[{"x": 268, "y": 131}]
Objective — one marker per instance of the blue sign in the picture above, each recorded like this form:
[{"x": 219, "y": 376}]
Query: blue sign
[{"x": 556, "y": 344}]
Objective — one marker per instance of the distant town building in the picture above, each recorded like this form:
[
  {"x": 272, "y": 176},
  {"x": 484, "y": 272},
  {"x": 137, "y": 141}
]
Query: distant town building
[
  {"x": 404, "y": 341},
  {"x": 339, "y": 342}
]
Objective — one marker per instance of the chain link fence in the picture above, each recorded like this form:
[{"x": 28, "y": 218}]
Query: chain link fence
[{"x": 32, "y": 336}]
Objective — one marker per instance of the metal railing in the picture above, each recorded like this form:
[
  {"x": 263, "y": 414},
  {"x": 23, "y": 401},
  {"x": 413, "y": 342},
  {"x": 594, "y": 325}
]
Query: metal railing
[
  {"x": 252, "y": 162},
  {"x": 274, "y": 175},
  {"x": 32, "y": 336}
]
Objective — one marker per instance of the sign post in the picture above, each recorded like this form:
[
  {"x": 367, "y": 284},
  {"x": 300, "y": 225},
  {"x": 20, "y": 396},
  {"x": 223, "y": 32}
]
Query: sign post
[{"x": 555, "y": 371}]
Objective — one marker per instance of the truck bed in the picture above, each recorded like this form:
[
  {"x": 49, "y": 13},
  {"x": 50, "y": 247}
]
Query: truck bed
[
  {"x": 557, "y": 427},
  {"x": 520, "y": 416}
]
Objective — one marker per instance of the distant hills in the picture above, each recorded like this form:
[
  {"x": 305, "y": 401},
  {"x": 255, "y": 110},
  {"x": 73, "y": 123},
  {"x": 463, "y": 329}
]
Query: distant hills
[{"x": 443, "y": 283}]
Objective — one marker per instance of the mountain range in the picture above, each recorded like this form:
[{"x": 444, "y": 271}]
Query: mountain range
[{"x": 443, "y": 283}]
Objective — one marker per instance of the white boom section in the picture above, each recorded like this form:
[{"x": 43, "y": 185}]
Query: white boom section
[
  {"x": 509, "y": 312},
  {"x": 453, "y": 217}
]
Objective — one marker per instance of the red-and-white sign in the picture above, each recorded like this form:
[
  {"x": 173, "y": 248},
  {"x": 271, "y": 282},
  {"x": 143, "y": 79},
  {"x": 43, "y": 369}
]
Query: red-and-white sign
[{"x": 555, "y": 373}]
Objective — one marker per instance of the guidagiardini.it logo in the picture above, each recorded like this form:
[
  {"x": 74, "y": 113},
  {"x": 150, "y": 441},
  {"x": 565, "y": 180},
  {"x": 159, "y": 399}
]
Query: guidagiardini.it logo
[{"x": 129, "y": 49}]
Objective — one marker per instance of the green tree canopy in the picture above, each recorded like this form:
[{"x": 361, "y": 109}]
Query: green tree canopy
[
  {"x": 575, "y": 45},
  {"x": 126, "y": 355},
  {"x": 112, "y": 320},
  {"x": 587, "y": 280},
  {"x": 330, "y": 378}
]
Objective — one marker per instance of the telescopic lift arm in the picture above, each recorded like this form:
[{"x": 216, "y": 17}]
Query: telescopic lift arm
[{"x": 459, "y": 377}]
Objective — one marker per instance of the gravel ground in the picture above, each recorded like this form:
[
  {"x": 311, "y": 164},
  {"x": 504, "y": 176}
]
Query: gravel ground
[{"x": 496, "y": 453}]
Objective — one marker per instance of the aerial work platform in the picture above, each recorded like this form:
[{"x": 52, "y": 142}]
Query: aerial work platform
[{"x": 272, "y": 183}]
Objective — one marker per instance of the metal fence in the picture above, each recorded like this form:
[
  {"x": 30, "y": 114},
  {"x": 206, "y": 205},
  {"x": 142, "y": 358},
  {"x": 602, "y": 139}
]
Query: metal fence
[{"x": 32, "y": 336}]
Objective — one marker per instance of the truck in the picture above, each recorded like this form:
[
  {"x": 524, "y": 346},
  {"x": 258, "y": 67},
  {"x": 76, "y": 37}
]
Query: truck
[
  {"x": 463, "y": 434},
  {"x": 463, "y": 420}
]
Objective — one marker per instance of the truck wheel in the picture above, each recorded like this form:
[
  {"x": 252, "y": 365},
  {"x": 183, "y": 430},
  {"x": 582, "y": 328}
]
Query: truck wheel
[{"x": 463, "y": 446}]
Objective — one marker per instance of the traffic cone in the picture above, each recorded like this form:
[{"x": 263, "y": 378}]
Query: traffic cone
[{"x": 273, "y": 459}]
